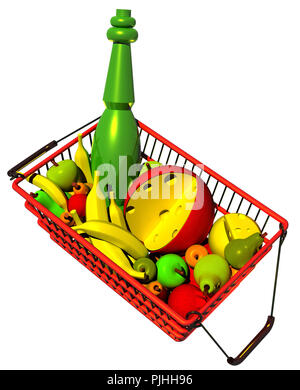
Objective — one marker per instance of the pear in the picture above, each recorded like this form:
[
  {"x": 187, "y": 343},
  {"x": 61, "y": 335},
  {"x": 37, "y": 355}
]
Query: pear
[
  {"x": 211, "y": 272},
  {"x": 238, "y": 252}
]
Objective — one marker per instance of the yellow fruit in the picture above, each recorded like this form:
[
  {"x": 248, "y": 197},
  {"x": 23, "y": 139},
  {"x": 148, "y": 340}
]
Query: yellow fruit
[
  {"x": 229, "y": 227},
  {"x": 115, "y": 235},
  {"x": 55, "y": 192},
  {"x": 117, "y": 256},
  {"x": 95, "y": 202},
  {"x": 115, "y": 213},
  {"x": 82, "y": 160},
  {"x": 78, "y": 222}
]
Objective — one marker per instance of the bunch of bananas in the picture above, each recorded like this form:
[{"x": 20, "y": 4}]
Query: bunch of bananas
[
  {"x": 112, "y": 238},
  {"x": 106, "y": 229}
]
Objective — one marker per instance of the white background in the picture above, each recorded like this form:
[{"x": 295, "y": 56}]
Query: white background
[{"x": 218, "y": 78}]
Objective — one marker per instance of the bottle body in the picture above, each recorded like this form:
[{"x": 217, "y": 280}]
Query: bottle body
[{"x": 116, "y": 142}]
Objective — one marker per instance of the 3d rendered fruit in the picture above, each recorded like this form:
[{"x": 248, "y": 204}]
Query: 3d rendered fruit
[
  {"x": 64, "y": 174},
  {"x": 116, "y": 254},
  {"x": 78, "y": 202},
  {"x": 186, "y": 298},
  {"x": 194, "y": 253},
  {"x": 53, "y": 190},
  {"x": 169, "y": 208},
  {"x": 149, "y": 165},
  {"x": 96, "y": 203},
  {"x": 82, "y": 160},
  {"x": 76, "y": 217},
  {"x": 146, "y": 265},
  {"x": 115, "y": 212},
  {"x": 80, "y": 188},
  {"x": 229, "y": 227},
  {"x": 67, "y": 218},
  {"x": 116, "y": 140},
  {"x": 240, "y": 250},
  {"x": 155, "y": 287},
  {"x": 42, "y": 197},
  {"x": 111, "y": 233},
  {"x": 211, "y": 272},
  {"x": 172, "y": 270}
]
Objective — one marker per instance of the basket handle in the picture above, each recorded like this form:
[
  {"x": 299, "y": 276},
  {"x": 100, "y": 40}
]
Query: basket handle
[
  {"x": 13, "y": 172},
  {"x": 253, "y": 343}
]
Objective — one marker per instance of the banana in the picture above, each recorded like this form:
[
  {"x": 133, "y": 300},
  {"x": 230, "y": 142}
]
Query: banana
[
  {"x": 115, "y": 235},
  {"x": 76, "y": 217},
  {"x": 96, "y": 211},
  {"x": 117, "y": 256},
  {"x": 78, "y": 222},
  {"x": 95, "y": 202},
  {"x": 111, "y": 251},
  {"x": 82, "y": 160},
  {"x": 115, "y": 213},
  {"x": 50, "y": 188}
]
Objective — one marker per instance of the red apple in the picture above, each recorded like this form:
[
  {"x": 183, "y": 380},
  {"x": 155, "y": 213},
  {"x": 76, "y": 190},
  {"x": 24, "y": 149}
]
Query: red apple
[
  {"x": 186, "y": 298},
  {"x": 169, "y": 208},
  {"x": 77, "y": 202}
]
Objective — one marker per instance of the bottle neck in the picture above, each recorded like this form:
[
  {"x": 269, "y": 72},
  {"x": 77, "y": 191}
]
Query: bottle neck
[{"x": 119, "y": 91}]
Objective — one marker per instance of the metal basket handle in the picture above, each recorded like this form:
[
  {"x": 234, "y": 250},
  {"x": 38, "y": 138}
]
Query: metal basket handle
[
  {"x": 13, "y": 172},
  {"x": 253, "y": 343},
  {"x": 262, "y": 333}
]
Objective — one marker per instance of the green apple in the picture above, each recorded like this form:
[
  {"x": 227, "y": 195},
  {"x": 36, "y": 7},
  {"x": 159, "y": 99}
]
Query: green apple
[
  {"x": 172, "y": 270},
  {"x": 64, "y": 174},
  {"x": 146, "y": 265},
  {"x": 211, "y": 272}
]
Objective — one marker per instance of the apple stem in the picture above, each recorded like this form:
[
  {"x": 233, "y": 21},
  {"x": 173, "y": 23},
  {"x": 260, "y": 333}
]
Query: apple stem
[
  {"x": 157, "y": 288},
  {"x": 54, "y": 163},
  {"x": 180, "y": 272}
]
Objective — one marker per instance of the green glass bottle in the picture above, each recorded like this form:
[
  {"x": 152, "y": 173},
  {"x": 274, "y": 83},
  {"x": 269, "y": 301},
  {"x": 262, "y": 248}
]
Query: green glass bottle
[{"x": 116, "y": 139}]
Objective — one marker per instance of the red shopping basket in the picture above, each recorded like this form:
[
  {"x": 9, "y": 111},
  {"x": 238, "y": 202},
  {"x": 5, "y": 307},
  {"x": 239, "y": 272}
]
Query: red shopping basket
[{"x": 227, "y": 197}]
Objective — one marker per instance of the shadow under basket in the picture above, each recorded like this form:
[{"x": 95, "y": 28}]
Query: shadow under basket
[{"x": 227, "y": 197}]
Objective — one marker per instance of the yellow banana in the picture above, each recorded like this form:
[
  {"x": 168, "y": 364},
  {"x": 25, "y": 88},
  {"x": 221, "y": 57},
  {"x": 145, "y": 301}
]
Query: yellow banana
[
  {"x": 82, "y": 160},
  {"x": 111, "y": 251},
  {"x": 78, "y": 222},
  {"x": 96, "y": 210},
  {"x": 115, "y": 213},
  {"x": 95, "y": 202},
  {"x": 117, "y": 256},
  {"x": 50, "y": 188},
  {"x": 115, "y": 235},
  {"x": 76, "y": 217}
]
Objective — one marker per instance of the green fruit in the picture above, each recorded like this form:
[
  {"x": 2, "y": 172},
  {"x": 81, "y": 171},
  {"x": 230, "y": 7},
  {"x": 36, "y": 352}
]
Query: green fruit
[
  {"x": 172, "y": 270},
  {"x": 64, "y": 173},
  {"x": 48, "y": 202},
  {"x": 211, "y": 272},
  {"x": 238, "y": 252},
  {"x": 146, "y": 265},
  {"x": 149, "y": 165}
]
